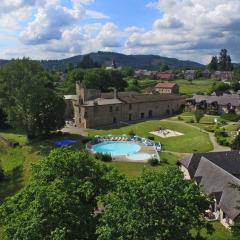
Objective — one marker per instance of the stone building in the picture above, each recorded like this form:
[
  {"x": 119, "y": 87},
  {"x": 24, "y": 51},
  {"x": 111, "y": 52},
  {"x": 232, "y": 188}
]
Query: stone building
[
  {"x": 215, "y": 104},
  {"x": 92, "y": 109}
]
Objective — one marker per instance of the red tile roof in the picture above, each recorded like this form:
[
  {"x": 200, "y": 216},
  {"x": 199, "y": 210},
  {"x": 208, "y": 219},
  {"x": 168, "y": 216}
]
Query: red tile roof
[{"x": 165, "y": 85}]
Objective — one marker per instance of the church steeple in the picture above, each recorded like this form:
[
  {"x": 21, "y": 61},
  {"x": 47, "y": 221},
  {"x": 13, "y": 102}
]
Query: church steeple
[{"x": 114, "y": 65}]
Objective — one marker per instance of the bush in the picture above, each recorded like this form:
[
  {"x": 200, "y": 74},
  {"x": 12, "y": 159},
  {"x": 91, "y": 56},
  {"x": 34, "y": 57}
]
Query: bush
[
  {"x": 87, "y": 139},
  {"x": 2, "y": 175},
  {"x": 231, "y": 117},
  {"x": 151, "y": 138},
  {"x": 210, "y": 128},
  {"x": 221, "y": 132},
  {"x": 131, "y": 133},
  {"x": 153, "y": 161},
  {"x": 190, "y": 121},
  {"x": 223, "y": 141},
  {"x": 103, "y": 157},
  {"x": 180, "y": 118}
]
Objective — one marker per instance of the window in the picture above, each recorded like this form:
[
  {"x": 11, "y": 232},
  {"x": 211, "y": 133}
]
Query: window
[
  {"x": 130, "y": 106},
  {"x": 86, "y": 115},
  {"x": 142, "y": 115},
  {"x": 117, "y": 109},
  {"x": 130, "y": 117},
  {"x": 110, "y": 109},
  {"x": 114, "y": 120},
  {"x": 150, "y": 114}
]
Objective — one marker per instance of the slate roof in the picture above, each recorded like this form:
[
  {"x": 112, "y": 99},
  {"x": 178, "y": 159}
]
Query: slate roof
[
  {"x": 101, "y": 101},
  {"x": 215, "y": 180},
  {"x": 142, "y": 98},
  {"x": 109, "y": 95},
  {"x": 229, "y": 161},
  {"x": 233, "y": 99}
]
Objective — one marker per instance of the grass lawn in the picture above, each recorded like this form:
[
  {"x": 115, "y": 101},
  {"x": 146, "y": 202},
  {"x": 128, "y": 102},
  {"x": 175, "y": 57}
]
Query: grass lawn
[
  {"x": 221, "y": 233},
  {"x": 193, "y": 140},
  {"x": 134, "y": 169},
  {"x": 17, "y": 163},
  {"x": 189, "y": 88}
]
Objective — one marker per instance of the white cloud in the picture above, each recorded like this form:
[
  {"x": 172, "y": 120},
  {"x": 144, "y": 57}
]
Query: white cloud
[
  {"x": 191, "y": 29},
  {"x": 187, "y": 29}
]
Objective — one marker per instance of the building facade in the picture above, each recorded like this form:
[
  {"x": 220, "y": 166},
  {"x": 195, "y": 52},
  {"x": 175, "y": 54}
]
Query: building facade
[
  {"x": 167, "y": 88},
  {"x": 93, "y": 109}
]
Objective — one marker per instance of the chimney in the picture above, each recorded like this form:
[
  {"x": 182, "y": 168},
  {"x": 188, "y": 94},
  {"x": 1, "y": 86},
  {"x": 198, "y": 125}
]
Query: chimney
[{"x": 115, "y": 93}]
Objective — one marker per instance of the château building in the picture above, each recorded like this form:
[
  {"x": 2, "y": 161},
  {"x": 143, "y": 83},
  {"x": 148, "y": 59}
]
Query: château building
[{"x": 90, "y": 108}]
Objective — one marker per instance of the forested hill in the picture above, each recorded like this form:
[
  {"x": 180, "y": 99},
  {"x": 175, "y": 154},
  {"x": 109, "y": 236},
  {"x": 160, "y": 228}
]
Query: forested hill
[{"x": 151, "y": 62}]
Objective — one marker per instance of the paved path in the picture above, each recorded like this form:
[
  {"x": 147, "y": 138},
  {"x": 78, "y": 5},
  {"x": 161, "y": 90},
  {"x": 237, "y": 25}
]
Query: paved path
[{"x": 75, "y": 130}]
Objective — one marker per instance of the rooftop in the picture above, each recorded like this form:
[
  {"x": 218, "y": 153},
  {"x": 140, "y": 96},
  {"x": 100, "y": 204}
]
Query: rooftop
[{"x": 165, "y": 85}]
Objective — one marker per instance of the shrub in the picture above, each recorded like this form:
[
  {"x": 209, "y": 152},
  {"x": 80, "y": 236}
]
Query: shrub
[
  {"x": 190, "y": 121},
  {"x": 236, "y": 143},
  {"x": 103, "y": 157},
  {"x": 231, "y": 117},
  {"x": 153, "y": 161},
  {"x": 198, "y": 115},
  {"x": 221, "y": 132},
  {"x": 151, "y": 138},
  {"x": 2, "y": 175},
  {"x": 180, "y": 118},
  {"x": 210, "y": 128},
  {"x": 223, "y": 141},
  {"x": 131, "y": 133},
  {"x": 87, "y": 139}
]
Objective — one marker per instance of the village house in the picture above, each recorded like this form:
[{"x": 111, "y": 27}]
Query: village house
[
  {"x": 190, "y": 74},
  {"x": 167, "y": 88},
  {"x": 216, "y": 173},
  {"x": 214, "y": 104},
  {"x": 141, "y": 74},
  {"x": 90, "y": 108},
  {"x": 224, "y": 76},
  {"x": 167, "y": 75},
  {"x": 206, "y": 74}
]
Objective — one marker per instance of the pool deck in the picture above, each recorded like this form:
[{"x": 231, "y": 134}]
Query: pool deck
[{"x": 144, "y": 149}]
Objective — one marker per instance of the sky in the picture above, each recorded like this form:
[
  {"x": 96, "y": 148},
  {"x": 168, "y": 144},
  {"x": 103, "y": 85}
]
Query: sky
[{"x": 55, "y": 29}]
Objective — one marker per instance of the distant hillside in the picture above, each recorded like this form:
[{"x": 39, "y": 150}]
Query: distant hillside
[{"x": 151, "y": 62}]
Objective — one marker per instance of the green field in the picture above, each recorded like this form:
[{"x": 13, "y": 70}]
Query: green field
[
  {"x": 17, "y": 162},
  {"x": 193, "y": 140},
  {"x": 195, "y": 86}
]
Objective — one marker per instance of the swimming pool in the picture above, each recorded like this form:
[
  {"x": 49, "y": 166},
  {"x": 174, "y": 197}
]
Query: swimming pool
[{"x": 116, "y": 148}]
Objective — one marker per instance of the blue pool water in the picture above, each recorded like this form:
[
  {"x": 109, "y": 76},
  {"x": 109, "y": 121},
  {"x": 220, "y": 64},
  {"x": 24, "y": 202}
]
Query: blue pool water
[
  {"x": 65, "y": 142},
  {"x": 116, "y": 148}
]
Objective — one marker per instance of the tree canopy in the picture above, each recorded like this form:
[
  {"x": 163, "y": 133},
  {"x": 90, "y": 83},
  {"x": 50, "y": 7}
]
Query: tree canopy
[
  {"x": 164, "y": 67},
  {"x": 60, "y": 200},
  {"x": 28, "y": 98},
  {"x": 222, "y": 63},
  {"x": 154, "y": 206}
]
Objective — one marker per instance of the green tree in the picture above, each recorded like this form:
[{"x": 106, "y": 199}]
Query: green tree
[
  {"x": 213, "y": 65},
  {"x": 61, "y": 199},
  {"x": 87, "y": 62},
  {"x": 128, "y": 71},
  {"x": 198, "y": 115},
  {"x": 225, "y": 62},
  {"x": 154, "y": 206},
  {"x": 164, "y": 67},
  {"x": 3, "y": 119},
  {"x": 28, "y": 98},
  {"x": 116, "y": 80},
  {"x": 75, "y": 75}
]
